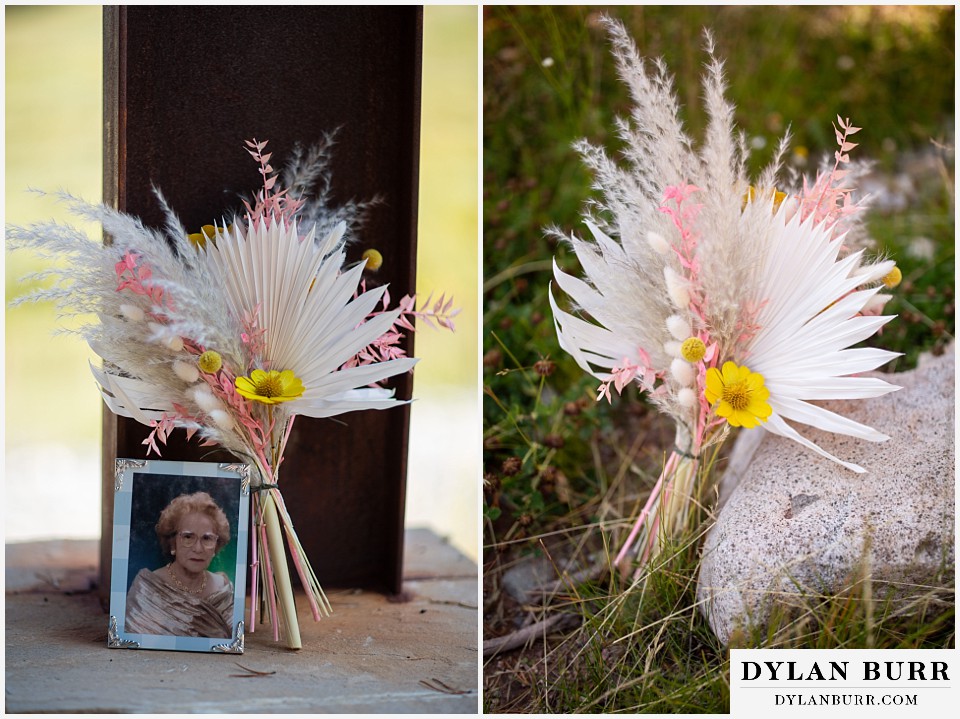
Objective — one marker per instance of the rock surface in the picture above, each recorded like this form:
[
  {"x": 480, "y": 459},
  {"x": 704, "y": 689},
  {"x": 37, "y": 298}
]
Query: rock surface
[{"x": 797, "y": 524}]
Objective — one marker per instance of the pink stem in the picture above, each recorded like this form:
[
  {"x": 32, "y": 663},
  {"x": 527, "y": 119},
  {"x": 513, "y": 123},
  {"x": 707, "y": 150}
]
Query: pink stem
[
  {"x": 668, "y": 467},
  {"x": 295, "y": 555}
]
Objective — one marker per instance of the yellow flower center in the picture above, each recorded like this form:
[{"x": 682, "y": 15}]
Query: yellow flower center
[
  {"x": 737, "y": 395},
  {"x": 269, "y": 386},
  {"x": 693, "y": 349},
  {"x": 210, "y": 362}
]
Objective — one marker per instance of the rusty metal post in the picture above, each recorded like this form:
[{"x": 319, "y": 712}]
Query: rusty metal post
[{"x": 183, "y": 88}]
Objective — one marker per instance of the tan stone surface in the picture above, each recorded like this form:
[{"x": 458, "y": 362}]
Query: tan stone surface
[{"x": 371, "y": 656}]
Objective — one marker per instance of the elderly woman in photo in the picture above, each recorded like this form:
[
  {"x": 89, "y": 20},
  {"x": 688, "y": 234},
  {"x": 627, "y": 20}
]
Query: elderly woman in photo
[{"x": 183, "y": 598}]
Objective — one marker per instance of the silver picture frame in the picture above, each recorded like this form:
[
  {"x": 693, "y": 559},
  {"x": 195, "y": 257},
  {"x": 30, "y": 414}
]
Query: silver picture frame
[{"x": 149, "y": 607}]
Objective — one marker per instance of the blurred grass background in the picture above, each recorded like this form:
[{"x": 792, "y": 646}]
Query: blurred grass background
[
  {"x": 565, "y": 475},
  {"x": 53, "y": 140}
]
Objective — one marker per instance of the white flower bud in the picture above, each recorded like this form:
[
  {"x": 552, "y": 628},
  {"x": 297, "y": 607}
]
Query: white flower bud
[
  {"x": 672, "y": 348},
  {"x": 222, "y": 419},
  {"x": 676, "y": 288},
  {"x": 132, "y": 313},
  {"x": 683, "y": 372},
  {"x": 687, "y": 398},
  {"x": 187, "y": 371},
  {"x": 678, "y": 327},
  {"x": 205, "y": 399},
  {"x": 174, "y": 343},
  {"x": 658, "y": 242}
]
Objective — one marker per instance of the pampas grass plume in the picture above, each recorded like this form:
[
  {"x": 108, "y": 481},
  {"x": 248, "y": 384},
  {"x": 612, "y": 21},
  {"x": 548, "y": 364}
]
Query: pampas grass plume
[{"x": 132, "y": 312}]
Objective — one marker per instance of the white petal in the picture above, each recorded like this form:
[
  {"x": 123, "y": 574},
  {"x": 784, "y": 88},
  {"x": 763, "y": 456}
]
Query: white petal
[
  {"x": 131, "y": 397},
  {"x": 823, "y": 419},
  {"x": 776, "y": 425}
]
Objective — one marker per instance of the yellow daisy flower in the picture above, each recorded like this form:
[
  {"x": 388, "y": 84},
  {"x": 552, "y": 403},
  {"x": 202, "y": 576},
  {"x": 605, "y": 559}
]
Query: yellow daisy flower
[
  {"x": 741, "y": 394},
  {"x": 270, "y": 387},
  {"x": 751, "y": 194}
]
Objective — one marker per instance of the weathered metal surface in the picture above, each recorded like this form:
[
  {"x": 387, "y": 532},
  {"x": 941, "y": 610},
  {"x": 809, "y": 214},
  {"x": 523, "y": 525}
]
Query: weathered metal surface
[{"x": 184, "y": 87}]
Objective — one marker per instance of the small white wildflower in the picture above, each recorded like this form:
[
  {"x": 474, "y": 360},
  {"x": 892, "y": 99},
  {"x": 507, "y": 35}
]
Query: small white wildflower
[
  {"x": 922, "y": 248},
  {"x": 678, "y": 327},
  {"x": 687, "y": 398},
  {"x": 676, "y": 288},
  {"x": 222, "y": 419},
  {"x": 547, "y": 62},
  {"x": 658, "y": 242},
  {"x": 132, "y": 313},
  {"x": 683, "y": 372},
  {"x": 187, "y": 371}
]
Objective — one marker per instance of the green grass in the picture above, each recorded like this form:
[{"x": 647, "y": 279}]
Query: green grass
[
  {"x": 566, "y": 475},
  {"x": 650, "y": 650}
]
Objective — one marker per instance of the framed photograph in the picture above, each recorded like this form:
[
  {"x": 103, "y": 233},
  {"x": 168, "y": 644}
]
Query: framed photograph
[{"x": 180, "y": 533}]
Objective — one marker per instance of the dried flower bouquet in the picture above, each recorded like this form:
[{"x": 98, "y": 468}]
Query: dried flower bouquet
[
  {"x": 232, "y": 332},
  {"x": 729, "y": 302}
]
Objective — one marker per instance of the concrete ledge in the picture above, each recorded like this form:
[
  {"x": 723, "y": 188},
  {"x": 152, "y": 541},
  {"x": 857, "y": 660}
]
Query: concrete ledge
[{"x": 371, "y": 656}]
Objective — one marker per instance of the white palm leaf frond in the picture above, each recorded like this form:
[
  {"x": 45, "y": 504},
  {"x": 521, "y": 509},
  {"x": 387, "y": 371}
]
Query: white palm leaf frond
[
  {"x": 808, "y": 319},
  {"x": 314, "y": 315},
  {"x": 334, "y": 383},
  {"x": 351, "y": 402},
  {"x": 134, "y": 398}
]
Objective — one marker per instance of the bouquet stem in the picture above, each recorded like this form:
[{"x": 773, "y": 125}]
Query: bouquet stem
[
  {"x": 288, "y": 608},
  {"x": 666, "y": 514},
  {"x": 677, "y": 498}
]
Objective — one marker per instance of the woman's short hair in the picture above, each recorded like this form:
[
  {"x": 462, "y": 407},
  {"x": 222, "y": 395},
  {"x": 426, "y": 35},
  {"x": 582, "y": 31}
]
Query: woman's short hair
[{"x": 196, "y": 503}]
